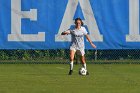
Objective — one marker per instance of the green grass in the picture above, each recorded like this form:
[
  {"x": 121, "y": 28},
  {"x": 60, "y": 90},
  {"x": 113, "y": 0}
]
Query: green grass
[{"x": 46, "y": 78}]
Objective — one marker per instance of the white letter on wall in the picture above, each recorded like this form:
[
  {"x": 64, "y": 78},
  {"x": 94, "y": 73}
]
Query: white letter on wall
[
  {"x": 16, "y": 16},
  {"x": 89, "y": 20},
  {"x": 134, "y": 35}
]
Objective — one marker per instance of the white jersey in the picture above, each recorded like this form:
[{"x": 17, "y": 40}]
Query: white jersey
[{"x": 77, "y": 41}]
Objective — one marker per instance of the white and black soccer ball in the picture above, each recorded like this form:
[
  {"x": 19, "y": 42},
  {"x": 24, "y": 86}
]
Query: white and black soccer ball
[{"x": 82, "y": 71}]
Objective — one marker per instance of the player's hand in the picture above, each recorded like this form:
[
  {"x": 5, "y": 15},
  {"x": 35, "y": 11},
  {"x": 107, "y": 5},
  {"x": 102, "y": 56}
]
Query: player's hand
[
  {"x": 63, "y": 33},
  {"x": 93, "y": 45}
]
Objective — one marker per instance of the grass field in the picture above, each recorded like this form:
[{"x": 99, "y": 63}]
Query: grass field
[{"x": 53, "y": 78}]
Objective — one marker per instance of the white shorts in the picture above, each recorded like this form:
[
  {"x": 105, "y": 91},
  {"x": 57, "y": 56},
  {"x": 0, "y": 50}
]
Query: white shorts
[{"x": 79, "y": 52}]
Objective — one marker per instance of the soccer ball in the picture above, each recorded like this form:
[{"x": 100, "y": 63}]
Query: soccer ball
[{"x": 82, "y": 71}]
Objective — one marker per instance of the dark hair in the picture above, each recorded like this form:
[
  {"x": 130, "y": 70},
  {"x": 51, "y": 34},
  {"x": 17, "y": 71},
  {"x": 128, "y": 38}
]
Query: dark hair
[{"x": 80, "y": 20}]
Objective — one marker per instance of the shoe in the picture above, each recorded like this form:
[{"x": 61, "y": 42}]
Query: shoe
[
  {"x": 87, "y": 73},
  {"x": 70, "y": 72},
  {"x": 79, "y": 73}
]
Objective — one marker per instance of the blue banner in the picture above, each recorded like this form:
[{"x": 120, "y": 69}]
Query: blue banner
[{"x": 37, "y": 24}]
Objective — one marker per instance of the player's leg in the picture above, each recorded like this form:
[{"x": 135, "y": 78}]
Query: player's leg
[
  {"x": 84, "y": 63},
  {"x": 83, "y": 60},
  {"x": 72, "y": 53}
]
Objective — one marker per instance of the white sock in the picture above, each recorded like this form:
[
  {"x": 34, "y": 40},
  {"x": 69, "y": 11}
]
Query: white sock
[
  {"x": 71, "y": 65},
  {"x": 85, "y": 66}
]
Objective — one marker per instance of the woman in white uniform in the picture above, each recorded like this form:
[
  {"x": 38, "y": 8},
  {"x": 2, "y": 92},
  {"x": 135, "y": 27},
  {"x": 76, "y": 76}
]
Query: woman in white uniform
[{"x": 77, "y": 43}]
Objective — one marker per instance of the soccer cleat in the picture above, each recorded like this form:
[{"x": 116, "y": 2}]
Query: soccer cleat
[
  {"x": 79, "y": 73},
  {"x": 70, "y": 72},
  {"x": 87, "y": 73}
]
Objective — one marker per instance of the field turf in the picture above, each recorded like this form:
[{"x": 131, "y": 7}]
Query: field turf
[{"x": 53, "y": 78}]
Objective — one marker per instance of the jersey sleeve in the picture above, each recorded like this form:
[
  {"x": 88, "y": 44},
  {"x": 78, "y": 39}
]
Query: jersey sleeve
[{"x": 85, "y": 31}]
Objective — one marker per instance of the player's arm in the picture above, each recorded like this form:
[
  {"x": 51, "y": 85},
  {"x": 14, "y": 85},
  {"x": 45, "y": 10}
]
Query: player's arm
[
  {"x": 65, "y": 32},
  {"x": 89, "y": 40}
]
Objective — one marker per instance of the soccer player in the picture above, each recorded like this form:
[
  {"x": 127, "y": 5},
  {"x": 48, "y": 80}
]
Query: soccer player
[{"x": 77, "y": 44}]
